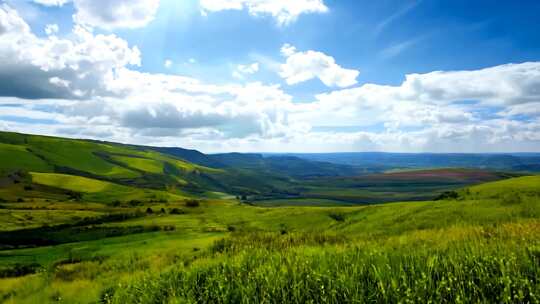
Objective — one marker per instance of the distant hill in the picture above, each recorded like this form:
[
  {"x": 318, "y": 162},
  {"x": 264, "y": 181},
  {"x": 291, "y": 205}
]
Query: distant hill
[
  {"x": 189, "y": 155},
  {"x": 284, "y": 165},
  {"x": 524, "y": 162}
]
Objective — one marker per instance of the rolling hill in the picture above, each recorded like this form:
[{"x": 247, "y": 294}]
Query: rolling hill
[
  {"x": 51, "y": 164},
  {"x": 380, "y": 161},
  {"x": 172, "y": 251}
]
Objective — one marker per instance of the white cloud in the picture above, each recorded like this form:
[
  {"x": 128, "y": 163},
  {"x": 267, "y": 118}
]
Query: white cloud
[
  {"x": 284, "y": 12},
  {"x": 531, "y": 109},
  {"x": 11, "y": 24},
  {"x": 245, "y": 69},
  {"x": 110, "y": 14},
  {"x": 503, "y": 84},
  {"x": 303, "y": 66},
  {"x": 51, "y": 29},
  {"x": 168, "y": 63},
  {"x": 86, "y": 63},
  {"x": 192, "y": 60},
  {"x": 52, "y": 2}
]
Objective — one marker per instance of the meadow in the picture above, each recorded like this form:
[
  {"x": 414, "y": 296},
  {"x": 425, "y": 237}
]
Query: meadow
[
  {"x": 479, "y": 247},
  {"x": 145, "y": 227}
]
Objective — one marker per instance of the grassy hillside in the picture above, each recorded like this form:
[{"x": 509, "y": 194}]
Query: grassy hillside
[
  {"x": 264, "y": 180},
  {"x": 87, "y": 222},
  {"x": 480, "y": 244},
  {"x": 114, "y": 163}
]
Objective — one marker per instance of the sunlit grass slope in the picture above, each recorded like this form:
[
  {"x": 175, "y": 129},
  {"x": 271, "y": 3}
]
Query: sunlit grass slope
[
  {"x": 122, "y": 164},
  {"x": 15, "y": 157},
  {"x": 526, "y": 185},
  {"x": 143, "y": 164},
  {"x": 479, "y": 246},
  {"x": 100, "y": 191}
]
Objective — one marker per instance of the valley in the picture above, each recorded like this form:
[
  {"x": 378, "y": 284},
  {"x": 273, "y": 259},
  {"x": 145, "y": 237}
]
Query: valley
[{"x": 85, "y": 222}]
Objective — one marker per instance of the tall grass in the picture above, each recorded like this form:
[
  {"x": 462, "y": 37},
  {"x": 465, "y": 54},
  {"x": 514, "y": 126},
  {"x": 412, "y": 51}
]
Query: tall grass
[{"x": 315, "y": 268}]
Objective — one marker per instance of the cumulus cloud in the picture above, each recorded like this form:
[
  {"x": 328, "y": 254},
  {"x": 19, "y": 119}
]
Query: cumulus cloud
[
  {"x": 284, "y": 12},
  {"x": 51, "y": 29},
  {"x": 168, "y": 63},
  {"x": 80, "y": 67},
  {"x": 503, "y": 84},
  {"x": 303, "y": 66},
  {"x": 52, "y": 2},
  {"x": 245, "y": 69},
  {"x": 11, "y": 24},
  {"x": 110, "y": 14}
]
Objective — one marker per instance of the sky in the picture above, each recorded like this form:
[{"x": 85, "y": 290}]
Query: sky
[{"x": 275, "y": 75}]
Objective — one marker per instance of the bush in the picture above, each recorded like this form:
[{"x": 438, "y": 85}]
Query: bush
[
  {"x": 447, "y": 195},
  {"x": 18, "y": 270},
  {"x": 176, "y": 211},
  {"x": 338, "y": 217},
  {"x": 28, "y": 188},
  {"x": 77, "y": 196},
  {"x": 149, "y": 210},
  {"x": 135, "y": 202},
  {"x": 168, "y": 228},
  {"x": 192, "y": 203}
]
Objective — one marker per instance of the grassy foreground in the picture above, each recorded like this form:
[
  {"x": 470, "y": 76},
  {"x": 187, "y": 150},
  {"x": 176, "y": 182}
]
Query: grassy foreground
[{"x": 480, "y": 245}]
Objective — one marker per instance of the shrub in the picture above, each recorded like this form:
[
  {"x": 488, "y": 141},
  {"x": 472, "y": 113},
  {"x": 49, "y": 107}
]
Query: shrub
[
  {"x": 168, "y": 228},
  {"x": 338, "y": 217},
  {"x": 135, "y": 202},
  {"x": 18, "y": 270},
  {"x": 192, "y": 203},
  {"x": 149, "y": 210},
  {"x": 447, "y": 195},
  {"x": 176, "y": 211},
  {"x": 28, "y": 188}
]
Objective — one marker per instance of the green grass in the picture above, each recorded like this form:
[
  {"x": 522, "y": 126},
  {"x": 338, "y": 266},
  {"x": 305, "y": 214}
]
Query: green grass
[
  {"x": 71, "y": 182},
  {"x": 78, "y": 155},
  {"x": 101, "y": 191},
  {"x": 139, "y": 163},
  {"x": 472, "y": 270},
  {"x": 524, "y": 185},
  {"x": 482, "y": 246},
  {"x": 23, "y": 219},
  {"x": 301, "y": 202},
  {"x": 15, "y": 157}
]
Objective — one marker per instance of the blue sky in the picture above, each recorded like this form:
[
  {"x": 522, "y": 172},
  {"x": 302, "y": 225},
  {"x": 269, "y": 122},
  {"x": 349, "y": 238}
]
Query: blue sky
[{"x": 260, "y": 75}]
